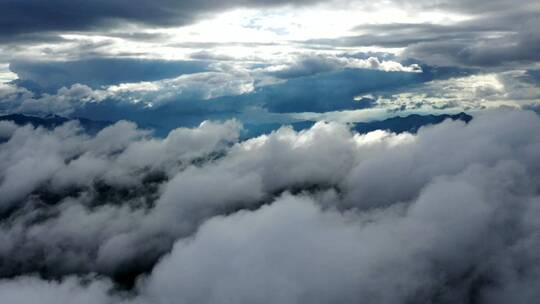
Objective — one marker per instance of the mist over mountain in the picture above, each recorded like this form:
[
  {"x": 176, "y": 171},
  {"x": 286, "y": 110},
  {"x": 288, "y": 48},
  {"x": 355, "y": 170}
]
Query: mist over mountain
[{"x": 53, "y": 121}]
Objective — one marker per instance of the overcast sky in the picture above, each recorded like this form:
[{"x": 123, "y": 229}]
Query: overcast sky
[{"x": 265, "y": 60}]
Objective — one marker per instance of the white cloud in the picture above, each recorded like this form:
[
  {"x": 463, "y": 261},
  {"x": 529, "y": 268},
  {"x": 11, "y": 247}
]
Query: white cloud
[
  {"x": 323, "y": 215},
  {"x": 194, "y": 87},
  {"x": 5, "y": 74},
  {"x": 306, "y": 65}
]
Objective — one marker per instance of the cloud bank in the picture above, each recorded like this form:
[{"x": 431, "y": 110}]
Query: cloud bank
[
  {"x": 447, "y": 215},
  {"x": 29, "y": 16}
]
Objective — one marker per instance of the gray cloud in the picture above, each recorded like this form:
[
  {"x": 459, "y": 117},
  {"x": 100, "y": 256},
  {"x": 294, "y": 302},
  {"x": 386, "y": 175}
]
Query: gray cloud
[
  {"x": 97, "y": 72},
  {"x": 29, "y": 16},
  {"x": 490, "y": 38},
  {"x": 31, "y": 291},
  {"x": 468, "y": 6}
]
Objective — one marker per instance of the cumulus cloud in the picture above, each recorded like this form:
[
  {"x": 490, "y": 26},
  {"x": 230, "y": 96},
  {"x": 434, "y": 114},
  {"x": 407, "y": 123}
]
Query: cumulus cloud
[
  {"x": 188, "y": 88},
  {"x": 64, "y": 101},
  {"x": 310, "y": 65},
  {"x": 321, "y": 215},
  {"x": 199, "y": 86},
  {"x": 32, "y": 290}
]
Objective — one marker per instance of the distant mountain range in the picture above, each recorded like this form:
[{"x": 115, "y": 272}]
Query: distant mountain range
[
  {"x": 52, "y": 121},
  {"x": 409, "y": 123},
  {"x": 396, "y": 124}
]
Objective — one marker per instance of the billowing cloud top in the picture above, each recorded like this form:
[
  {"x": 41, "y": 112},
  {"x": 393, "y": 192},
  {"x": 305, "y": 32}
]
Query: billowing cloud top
[{"x": 322, "y": 215}]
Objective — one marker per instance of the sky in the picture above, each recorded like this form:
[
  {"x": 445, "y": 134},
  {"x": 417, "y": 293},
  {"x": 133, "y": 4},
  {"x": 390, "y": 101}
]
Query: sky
[
  {"x": 169, "y": 201},
  {"x": 166, "y": 64}
]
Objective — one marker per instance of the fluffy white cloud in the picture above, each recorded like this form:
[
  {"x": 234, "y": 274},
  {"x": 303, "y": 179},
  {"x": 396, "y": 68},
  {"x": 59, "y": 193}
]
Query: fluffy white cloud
[
  {"x": 194, "y": 87},
  {"x": 199, "y": 86},
  {"x": 322, "y": 215},
  {"x": 16, "y": 99},
  {"x": 66, "y": 157},
  {"x": 306, "y": 65}
]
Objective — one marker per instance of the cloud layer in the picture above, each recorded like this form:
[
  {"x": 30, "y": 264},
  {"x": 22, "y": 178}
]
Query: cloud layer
[
  {"x": 30, "y": 16},
  {"x": 322, "y": 215}
]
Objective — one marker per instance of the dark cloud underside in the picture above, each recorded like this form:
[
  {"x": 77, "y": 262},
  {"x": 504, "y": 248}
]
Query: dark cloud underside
[
  {"x": 27, "y": 16},
  {"x": 53, "y": 75}
]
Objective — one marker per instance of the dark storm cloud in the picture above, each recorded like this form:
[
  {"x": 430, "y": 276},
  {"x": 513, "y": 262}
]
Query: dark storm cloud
[
  {"x": 53, "y": 75},
  {"x": 405, "y": 34},
  {"x": 121, "y": 195},
  {"x": 501, "y": 35},
  {"x": 533, "y": 76},
  {"x": 309, "y": 65},
  {"x": 28, "y": 16},
  {"x": 11, "y": 43},
  {"x": 473, "y": 7},
  {"x": 322, "y": 216},
  {"x": 330, "y": 91}
]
